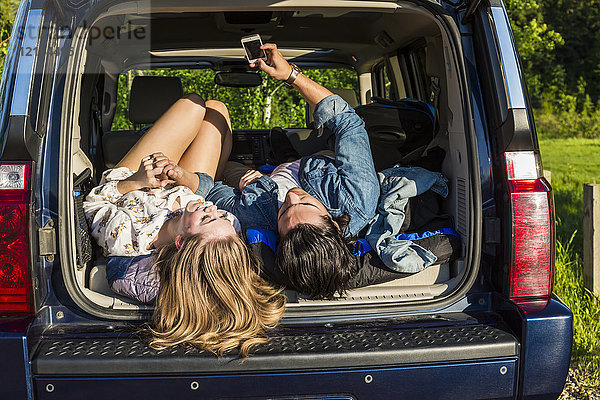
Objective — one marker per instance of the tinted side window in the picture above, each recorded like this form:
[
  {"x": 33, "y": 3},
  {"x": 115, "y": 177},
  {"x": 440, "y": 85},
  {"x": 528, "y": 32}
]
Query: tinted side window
[
  {"x": 415, "y": 69},
  {"x": 382, "y": 86},
  {"x": 403, "y": 74}
]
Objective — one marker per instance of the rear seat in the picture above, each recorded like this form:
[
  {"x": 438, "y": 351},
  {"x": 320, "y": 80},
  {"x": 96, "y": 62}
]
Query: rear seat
[
  {"x": 150, "y": 97},
  {"x": 306, "y": 141}
]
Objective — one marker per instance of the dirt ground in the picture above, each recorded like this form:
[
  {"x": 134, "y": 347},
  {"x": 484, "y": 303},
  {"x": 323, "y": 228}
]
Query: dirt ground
[{"x": 577, "y": 386}]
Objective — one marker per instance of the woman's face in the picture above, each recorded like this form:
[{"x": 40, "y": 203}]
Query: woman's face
[{"x": 207, "y": 221}]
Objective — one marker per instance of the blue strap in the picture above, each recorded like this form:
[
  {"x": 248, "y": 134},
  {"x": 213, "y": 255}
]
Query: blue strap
[
  {"x": 403, "y": 105},
  {"x": 362, "y": 246},
  {"x": 256, "y": 235},
  {"x": 424, "y": 235}
]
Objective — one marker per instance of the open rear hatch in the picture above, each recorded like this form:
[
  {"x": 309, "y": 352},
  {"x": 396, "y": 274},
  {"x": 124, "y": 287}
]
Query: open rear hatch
[
  {"x": 402, "y": 24},
  {"x": 391, "y": 331}
]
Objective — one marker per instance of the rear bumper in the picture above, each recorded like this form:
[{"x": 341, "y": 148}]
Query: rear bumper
[
  {"x": 521, "y": 355},
  {"x": 15, "y": 380},
  {"x": 454, "y": 356},
  {"x": 546, "y": 340},
  {"x": 489, "y": 379},
  {"x": 288, "y": 349}
]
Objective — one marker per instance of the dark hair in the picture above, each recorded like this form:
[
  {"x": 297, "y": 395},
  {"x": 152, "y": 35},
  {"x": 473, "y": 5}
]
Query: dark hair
[{"x": 316, "y": 259}]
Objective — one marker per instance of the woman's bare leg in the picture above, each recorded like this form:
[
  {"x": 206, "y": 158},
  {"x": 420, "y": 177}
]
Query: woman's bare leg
[
  {"x": 171, "y": 134},
  {"x": 210, "y": 149}
]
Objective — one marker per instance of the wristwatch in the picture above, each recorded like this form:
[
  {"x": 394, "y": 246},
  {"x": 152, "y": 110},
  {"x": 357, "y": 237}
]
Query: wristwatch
[{"x": 293, "y": 75}]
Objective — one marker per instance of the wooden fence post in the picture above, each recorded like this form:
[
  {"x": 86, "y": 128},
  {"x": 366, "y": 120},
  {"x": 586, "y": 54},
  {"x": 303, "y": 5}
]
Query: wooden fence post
[
  {"x": 548, "y": 175},
  {"x": 591, "y": 237}
]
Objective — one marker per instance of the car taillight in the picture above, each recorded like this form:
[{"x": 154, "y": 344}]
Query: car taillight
[
  {"x": 15, "y": 288},
  {"x": 532, "y": 228}
]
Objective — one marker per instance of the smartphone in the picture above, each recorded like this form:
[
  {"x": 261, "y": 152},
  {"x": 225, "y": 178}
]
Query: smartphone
[{"x": 251, "y": 45}]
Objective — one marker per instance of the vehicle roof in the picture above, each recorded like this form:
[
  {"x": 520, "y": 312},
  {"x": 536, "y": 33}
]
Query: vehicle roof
[{"x": 348, "y": 37}]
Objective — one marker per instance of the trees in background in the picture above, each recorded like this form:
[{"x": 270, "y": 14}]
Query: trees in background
[
  {"x": 537, "y": 42},
  {"x": 578, "y": 21},
  {"x": 559, "y": 44},
  {"x": 270, "y": 104},
  {"x": 8, "y": 9}
]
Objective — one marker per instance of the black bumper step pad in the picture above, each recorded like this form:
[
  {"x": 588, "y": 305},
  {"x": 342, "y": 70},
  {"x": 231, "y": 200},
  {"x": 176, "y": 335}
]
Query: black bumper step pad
[{"x": 285, "y": 350}]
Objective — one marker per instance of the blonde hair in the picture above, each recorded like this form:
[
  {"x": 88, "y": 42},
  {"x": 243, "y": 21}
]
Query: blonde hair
[{"x": 211, "y": 297}]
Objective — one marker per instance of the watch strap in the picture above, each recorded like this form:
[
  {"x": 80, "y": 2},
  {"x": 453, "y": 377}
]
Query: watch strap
[{"x": 293, "y": 75}]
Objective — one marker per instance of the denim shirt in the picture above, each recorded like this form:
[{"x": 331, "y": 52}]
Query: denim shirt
[
  {"x": 255, "y": 206},
  {"x": 398, "y": 184},
  {"x": 347, "y": 183}
]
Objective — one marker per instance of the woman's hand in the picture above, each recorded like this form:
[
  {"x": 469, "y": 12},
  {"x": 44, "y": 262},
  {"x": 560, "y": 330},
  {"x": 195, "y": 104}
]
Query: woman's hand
[
  {"x": 276, "y": 66},
  {"x": 148, "y": 174},
  {"x": 179, "y": 176},
  {"x": 249, "y": 177},
  {"x": 173, "y": 172}
]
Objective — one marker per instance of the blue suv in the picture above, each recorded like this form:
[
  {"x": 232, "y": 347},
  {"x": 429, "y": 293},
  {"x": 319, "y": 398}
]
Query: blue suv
[{"x": 484, "y": 325}]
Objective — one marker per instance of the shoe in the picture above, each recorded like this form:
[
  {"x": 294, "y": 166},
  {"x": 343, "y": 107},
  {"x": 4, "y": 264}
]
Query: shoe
[{"x": 281, "y": 146}]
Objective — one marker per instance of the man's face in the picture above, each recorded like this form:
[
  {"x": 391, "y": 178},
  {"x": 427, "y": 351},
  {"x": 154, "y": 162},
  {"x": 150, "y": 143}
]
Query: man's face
[{"x": 299, "y": 207}]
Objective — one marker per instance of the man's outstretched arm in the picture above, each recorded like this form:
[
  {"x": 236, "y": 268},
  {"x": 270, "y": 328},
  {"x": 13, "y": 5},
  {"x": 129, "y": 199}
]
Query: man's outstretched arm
[
  {"x": 354, "y": 162},
  {"x": 277, "y": 67}
]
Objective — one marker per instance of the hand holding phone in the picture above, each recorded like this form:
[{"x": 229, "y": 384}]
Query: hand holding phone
[
  {"x": 275, "y": 66},
  {"x": 251, "y": 45}
]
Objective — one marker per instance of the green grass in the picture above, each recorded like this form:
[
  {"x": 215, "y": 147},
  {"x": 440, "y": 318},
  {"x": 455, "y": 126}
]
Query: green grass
[
  {"x": 585, "y": 307},
  {"x": 574, "y": 162}
]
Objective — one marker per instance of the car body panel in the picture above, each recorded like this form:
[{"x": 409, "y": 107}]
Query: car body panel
[
  {"x": 546, "y": 353},
  {"x": 16, "y": 371},
  {"x": 531, "y": 361},
  {"x": 494, "y": 378}
]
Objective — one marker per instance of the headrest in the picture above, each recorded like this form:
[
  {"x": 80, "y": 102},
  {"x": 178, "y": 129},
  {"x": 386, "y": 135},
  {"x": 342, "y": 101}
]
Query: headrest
[
  {"x": 151, "y": 96},
  {"x": 347, "y": 94}
]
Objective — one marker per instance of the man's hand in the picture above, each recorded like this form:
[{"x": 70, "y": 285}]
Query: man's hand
[
  {"x": 249, "y": 177},
  {"x": 276, "y": 66}
]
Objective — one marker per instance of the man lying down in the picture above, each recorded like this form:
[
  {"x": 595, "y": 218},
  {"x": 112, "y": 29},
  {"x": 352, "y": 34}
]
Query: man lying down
[{"x": 319, "y": 205}]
